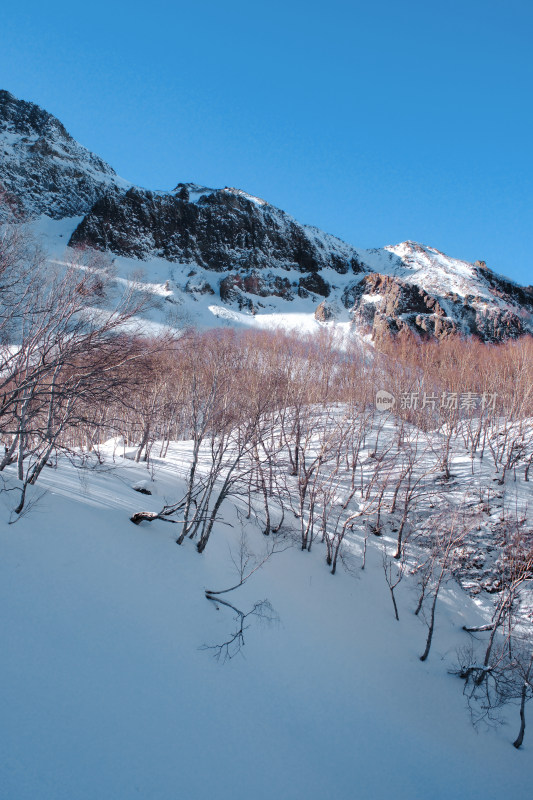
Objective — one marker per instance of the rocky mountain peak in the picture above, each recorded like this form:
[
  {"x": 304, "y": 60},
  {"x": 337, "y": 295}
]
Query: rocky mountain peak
[
  {"x": 27, "y": 119},
  {"x": 44, "y": 167}
]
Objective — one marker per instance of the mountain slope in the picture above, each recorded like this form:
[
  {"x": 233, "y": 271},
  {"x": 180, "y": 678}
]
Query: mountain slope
[{"x": 246, "y": 255}]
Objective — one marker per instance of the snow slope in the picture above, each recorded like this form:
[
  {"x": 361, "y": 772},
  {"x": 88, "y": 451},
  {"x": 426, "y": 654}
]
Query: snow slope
[
  {"x": 107, "y": 692},
  {"x": 177, "y": 302}
]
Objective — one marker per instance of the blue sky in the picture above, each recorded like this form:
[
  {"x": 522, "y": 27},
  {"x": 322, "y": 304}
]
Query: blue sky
[{"x": 378, "y": 122}]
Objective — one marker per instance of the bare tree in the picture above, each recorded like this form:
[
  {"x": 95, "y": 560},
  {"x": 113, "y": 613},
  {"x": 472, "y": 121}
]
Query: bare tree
[
  {"x": 448, "y": 534},
  {"x": 524, "y": 667}
]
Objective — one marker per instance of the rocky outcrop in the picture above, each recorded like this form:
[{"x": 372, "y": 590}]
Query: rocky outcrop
[
  {"x": 505, "y": 289},
  {"x": 314, "y": 282},
  {"x": 237, "y": 287},
  {"x": 386, "y": 305},
  {"x": 198, "y": 285},
  {"x": 325, "y": 312},
  {"x": 221, "y": 231}
]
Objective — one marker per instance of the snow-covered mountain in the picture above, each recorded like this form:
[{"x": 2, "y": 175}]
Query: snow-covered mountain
[
  {"x": 44, "y": 167},
  {"x": 242, "y": 259}
]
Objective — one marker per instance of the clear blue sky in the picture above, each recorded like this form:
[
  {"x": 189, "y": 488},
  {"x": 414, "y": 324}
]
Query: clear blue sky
[{"x": 377, "y": 121}]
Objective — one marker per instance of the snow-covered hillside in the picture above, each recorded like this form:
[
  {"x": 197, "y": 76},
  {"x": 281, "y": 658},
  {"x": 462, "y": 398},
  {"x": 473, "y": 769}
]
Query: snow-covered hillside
[{"x": 110, "y": 688}]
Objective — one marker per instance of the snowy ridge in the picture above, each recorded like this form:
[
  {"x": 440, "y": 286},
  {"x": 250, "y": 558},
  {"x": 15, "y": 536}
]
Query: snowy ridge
[
  {"x": 436, "y": 271},
  {"x": 240, "y": 193},
  {"x": 243, "y": 253}
]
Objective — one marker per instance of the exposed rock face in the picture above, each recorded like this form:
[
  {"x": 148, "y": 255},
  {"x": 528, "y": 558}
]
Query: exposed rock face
[
  {"x": 221, "y": 231},
  {"x": 387, "y": 305},
  {"x": 325, "y": 312},
  {"x": 227, "y": 242},
  {"x": 44, "y": 167},
  {"x": 199, "y": 286},
  {"x": 262, "y": 285},
  {"x": 242, "y": 288},
  {"x": 313, "y": 283},
  {"x": 507, "y": 290},
  {"x": 397, "y": 296}
]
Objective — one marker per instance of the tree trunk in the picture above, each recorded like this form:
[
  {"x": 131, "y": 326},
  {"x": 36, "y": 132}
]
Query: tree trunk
[
  {"x": 391, "y": 588},
  {"x": 425, "y": 654},
  {"x": 520, "y": 738},
  {"x": 8, "y": 456}
]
